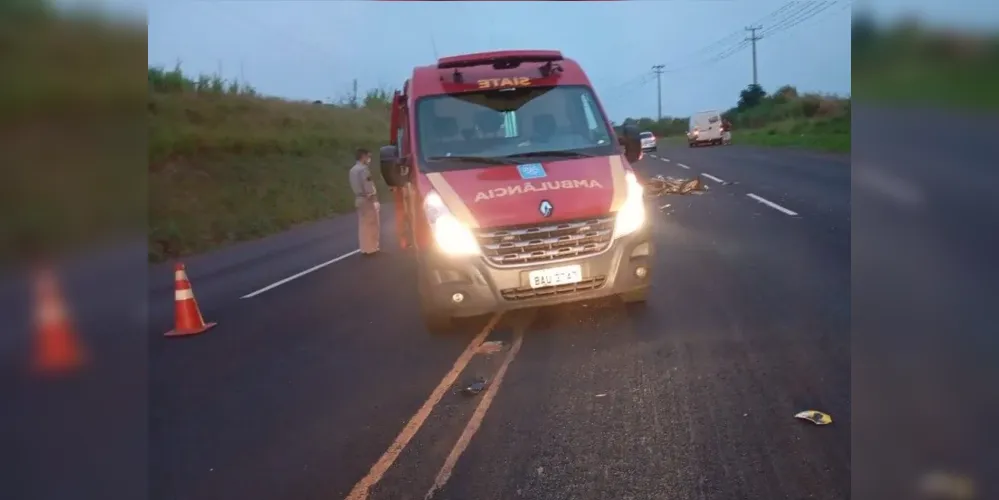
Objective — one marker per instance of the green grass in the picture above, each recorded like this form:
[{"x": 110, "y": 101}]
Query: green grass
[
  {"x": 910, "y": 63},
  {"x": 960, "y": 85},
  {"x": 226, "y": 165},
  {"x": 830, "y": 135}
]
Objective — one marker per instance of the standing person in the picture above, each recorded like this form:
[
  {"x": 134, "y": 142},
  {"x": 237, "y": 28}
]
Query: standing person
[{"x": 366, "y": 202}]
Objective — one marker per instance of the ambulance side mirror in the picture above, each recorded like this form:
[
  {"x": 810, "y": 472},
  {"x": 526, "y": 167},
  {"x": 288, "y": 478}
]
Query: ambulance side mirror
[
  {"x": 631, "y": 139},
  {"x": 392, "y": 167}
]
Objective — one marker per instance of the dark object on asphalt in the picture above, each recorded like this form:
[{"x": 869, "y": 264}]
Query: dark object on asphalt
[
  {"x": 476, "y": 387},
  {"x": 815, "y": 417},
  {"x": 659, "y": 186}
]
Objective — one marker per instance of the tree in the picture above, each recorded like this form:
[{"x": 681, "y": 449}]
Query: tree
[{"x": 751, "y": 96}]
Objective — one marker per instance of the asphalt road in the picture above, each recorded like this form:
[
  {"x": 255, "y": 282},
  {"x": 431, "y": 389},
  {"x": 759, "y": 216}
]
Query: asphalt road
[{"x": 328, "y": 381}]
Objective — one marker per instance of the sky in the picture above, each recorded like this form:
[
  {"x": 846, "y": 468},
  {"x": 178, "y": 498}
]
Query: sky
[{"x": 315, "y": 49}]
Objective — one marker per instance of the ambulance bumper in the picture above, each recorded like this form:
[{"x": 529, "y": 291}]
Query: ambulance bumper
[{"x": 463, "y": 287}]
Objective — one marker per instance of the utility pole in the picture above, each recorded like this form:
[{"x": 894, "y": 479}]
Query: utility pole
[
  {"x": 658, "y": 69},
  {"x": 753, "y": 38},
  {"x": 354, "y": 98}
]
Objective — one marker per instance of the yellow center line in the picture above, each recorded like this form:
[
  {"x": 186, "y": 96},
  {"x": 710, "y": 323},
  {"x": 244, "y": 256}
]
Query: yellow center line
[
  {"x": 378, "y": 470},
  {"x": 473, "y": 424}
]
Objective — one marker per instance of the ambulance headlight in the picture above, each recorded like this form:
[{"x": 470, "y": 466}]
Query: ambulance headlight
[
  {"x": 631, "y": 216},
  {"x": 452, "y": 236}
]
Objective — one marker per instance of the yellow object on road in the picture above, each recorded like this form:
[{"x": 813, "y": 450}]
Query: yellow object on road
[{"x": 815, "y": 417}]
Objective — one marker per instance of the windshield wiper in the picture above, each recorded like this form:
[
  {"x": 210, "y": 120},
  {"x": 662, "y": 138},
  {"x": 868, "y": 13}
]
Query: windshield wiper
[
  {"x": 534, "y": 154},
  {"x": 470, "y": 159}
]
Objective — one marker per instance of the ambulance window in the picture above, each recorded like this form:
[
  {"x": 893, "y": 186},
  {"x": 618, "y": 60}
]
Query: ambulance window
[{"x": 591, "y": 120}]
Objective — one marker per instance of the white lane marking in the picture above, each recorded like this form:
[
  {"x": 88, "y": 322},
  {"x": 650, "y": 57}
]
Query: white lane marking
[
  {"x": 771, "y": 204},
  {"x": 665, "y": 160},
  {"x": 709, "y": 176},
  {"x": 299, "y": 275},
  {"x": 475, "y": 422},
  {"x": 653, "y": 155},
  {"x": 683, "y": 166},
  {"x": 664, "y": 207},
  {"x": 363, "y": 487}
]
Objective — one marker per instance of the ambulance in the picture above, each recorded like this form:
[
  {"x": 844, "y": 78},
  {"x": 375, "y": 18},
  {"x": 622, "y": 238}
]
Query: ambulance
[{"x": 518, "y": 192}]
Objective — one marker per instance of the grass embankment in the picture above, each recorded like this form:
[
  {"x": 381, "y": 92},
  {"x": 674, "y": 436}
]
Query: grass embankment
[
  {"x": 226, "y": 165},
  {"x": 907, "y": 63},
  {"x": 829, "y": 135}
]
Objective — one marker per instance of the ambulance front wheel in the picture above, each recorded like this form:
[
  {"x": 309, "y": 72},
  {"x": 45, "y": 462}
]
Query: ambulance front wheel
[
  {"x": 635, "y": 296},
  {"x": 436, "y": 323}
]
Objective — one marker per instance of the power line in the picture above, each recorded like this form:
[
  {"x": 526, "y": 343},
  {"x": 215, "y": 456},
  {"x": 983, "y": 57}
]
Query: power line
[
  {"x": 641, "y": 80},
  {"x": 795, "y": 13},
  {"x": 737, "y": 35},
  {"x": 786, "y": 17},
  {"x": 805, "y": 16}
]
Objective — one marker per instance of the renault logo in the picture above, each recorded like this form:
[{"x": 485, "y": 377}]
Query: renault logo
[{"x": 546, "y": 208}]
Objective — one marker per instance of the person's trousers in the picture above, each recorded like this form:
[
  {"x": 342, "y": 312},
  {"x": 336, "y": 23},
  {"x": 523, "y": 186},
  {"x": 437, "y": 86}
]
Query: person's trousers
[
  {"x": 368, "y": 224},
  {"x": 401, "y": 227}
]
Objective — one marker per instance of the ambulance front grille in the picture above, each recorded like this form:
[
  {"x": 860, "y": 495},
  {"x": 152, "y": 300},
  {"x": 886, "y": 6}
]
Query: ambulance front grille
[
  {"x": 526, "y": 292},
  {"x": 541, "y": 243}
]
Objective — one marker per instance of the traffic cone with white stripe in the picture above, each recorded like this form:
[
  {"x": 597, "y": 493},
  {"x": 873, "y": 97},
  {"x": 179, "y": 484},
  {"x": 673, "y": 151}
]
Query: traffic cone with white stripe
[{"x": 187, "y": 316}]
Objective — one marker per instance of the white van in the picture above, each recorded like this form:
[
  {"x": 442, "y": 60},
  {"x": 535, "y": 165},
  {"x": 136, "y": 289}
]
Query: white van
[{"x": 705, "y": 128}]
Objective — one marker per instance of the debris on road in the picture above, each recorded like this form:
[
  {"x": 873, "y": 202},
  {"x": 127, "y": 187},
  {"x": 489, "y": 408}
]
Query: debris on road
[
  {"x": 662, "y": 185},
  {"x": 490, "y": 347},
  {"x": 475, "y": 387},
  {"x": 815, "y": 417}
]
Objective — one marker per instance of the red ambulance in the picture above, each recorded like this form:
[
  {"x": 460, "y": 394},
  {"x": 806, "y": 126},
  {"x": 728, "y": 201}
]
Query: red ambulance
[{"x": 518, "y": 191}]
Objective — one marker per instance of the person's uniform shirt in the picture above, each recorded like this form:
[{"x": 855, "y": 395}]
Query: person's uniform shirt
[{"x": 361, "y": 183}]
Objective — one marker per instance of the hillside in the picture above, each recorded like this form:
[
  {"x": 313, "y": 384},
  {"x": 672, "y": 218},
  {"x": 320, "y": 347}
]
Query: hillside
[{"x": 227, "y": 165}]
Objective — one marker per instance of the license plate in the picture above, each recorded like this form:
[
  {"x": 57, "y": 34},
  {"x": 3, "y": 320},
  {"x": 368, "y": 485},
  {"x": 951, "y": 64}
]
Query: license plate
[{"x": 556, "y": 276}]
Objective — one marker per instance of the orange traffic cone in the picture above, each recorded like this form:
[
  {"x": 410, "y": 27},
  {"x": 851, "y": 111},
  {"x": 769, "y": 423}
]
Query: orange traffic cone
[
  {"x": 187, "y": 316},
  {"x": 57, "y": 348}
]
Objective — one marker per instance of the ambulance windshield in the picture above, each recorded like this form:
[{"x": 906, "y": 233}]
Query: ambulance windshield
[{"x": 515, "y": 125}]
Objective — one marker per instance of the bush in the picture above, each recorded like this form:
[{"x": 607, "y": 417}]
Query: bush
[{"x": 810, "y": 106}]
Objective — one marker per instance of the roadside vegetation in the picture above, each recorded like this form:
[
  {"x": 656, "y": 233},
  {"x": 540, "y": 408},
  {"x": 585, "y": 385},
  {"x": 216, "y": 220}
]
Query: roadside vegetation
[
  {"x": 226, "y": 164},
  {"x": 907, "y": 62},
  {"x": 784, "y": 118}
]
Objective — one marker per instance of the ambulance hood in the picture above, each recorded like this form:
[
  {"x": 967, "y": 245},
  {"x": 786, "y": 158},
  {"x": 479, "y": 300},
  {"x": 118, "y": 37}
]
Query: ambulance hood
[{"x": 506, "y": 195}]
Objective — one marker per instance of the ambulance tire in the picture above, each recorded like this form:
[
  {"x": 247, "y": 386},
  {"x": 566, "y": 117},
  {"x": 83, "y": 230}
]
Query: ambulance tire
[
  {"x": 438, "y": 324},
  {"x": 435, "y": 322},
  {"x": 637, "y": 297}
]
